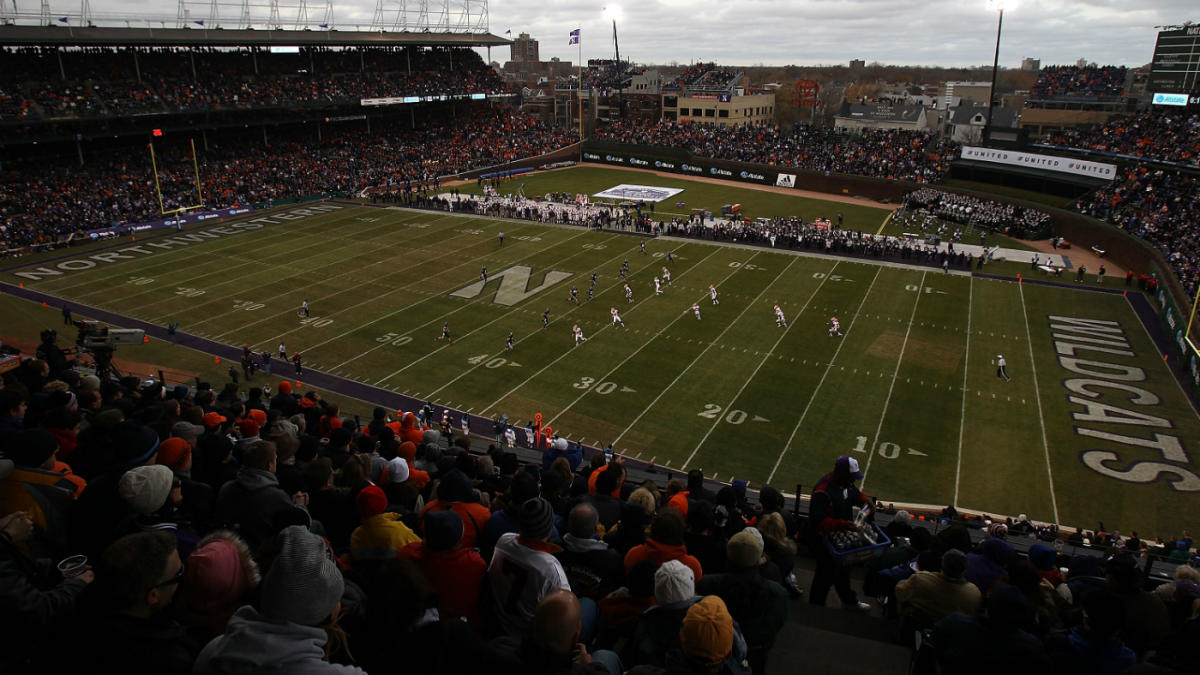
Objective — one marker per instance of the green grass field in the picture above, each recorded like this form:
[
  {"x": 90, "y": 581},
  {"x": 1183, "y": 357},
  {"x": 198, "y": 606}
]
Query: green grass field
[{"x": 910, "y": 389}]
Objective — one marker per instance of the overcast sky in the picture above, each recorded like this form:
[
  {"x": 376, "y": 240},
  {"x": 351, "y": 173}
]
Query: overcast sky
[{"x": 781, "y": 32}]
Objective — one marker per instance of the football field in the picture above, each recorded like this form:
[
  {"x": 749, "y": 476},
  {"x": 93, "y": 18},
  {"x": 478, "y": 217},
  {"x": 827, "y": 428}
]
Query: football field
[{"x": 1091, "y": 427}]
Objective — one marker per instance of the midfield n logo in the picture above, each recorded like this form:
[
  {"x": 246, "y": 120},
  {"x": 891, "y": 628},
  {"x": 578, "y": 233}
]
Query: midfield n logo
[{"x": 514, "y": 285}]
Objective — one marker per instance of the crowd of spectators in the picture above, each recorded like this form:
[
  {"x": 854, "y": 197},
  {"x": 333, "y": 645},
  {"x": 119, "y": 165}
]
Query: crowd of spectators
[
  {"x": 707, "y": 77},
  {"x": 886, "y": 153},
  {"x": 43, "y": 202},
  {"x": 818, "y": 235},
  {"x": 1015, "y": 221},
  {"x": 1152, "y": 135},
  {"x": 1162, "y": 206},
  {"x": 98, "y": 82},
  {"x": 1086, "y": 83},
  {"x": 231, "y": 529},
  {"x": 240, "y": 529}
]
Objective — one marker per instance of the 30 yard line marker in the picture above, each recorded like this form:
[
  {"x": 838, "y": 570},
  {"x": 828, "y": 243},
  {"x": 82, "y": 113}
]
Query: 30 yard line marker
[
  {"x": 966, "y": 369},
  {"x": 1038, "y": 397}
]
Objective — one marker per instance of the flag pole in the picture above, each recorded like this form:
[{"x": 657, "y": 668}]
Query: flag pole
[{"x": 579, "y": 44}]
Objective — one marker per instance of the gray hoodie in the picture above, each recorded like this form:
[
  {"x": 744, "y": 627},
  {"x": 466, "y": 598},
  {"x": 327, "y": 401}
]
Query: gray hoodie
[{"x": 254, "y": 643}]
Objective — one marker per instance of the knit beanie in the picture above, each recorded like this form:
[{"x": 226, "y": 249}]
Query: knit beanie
[
  {"x": 173, "y": 453},
  {"x": 407, "y": 450},
  {"x": 371, "y": 501},
  {"x": 146, "y": 488},
  {"x": 707, "y": 631},
  {"x": 674, "y": 582},
  {"x": 214, "y": 576},
  {"x": 536, "y": 518},
  {"x": 744, "y": 549},
  {"x": 285, "y": 387},
  {"x": 134, "y": 442},
  {"x": 398, "y": 470},
  {"x": 304, "y": 584},
  {"x": 443, "y": 530},
  {"x": 954, "y": 564},
  {"x": 31, "y": 447},
  {"x": 1042, "y": 557}
]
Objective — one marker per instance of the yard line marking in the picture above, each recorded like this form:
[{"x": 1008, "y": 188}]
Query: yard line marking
[
  {"x": 747, "y": 381},
  {"x": 432, "y": 322},
  {"x": 568, "y": 313},
  {"x": 374, "y": 298},
  {"x": 892, "y": 387},
  {"x": 966, "y": 369},
  {"x": 1038, "y": 397},
  {"x": 817, "y": 389},
  {"x": 645, "y": 344}
]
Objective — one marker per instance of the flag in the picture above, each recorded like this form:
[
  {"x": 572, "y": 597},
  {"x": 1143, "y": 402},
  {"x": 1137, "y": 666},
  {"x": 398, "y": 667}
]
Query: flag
[
  {"x": 574, "y": 38},
  {"x": 324, "y": 25},
  {"x": 62, "y": 19},
  {"x": 199, "y": 22},
  {"x": 508, "y": 32}
]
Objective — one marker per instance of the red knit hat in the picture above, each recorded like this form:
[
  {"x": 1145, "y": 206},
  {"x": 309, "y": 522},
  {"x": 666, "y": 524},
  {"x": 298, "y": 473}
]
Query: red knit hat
[
  {"x": 174, "y": 453},
  {"x": 285, "y": 387},
  {"x": 407, "y": 450},
  {"x": 371, "y": 501}
]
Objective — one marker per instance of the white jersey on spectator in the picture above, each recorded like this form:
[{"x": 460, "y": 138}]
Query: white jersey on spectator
[{"x": 519, "y": 578}]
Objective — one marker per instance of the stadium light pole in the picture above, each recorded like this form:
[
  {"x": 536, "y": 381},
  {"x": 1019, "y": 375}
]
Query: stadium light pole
[{"x": 987, "y": 125}]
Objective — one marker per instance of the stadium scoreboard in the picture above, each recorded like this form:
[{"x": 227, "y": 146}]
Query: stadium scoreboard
[{"x": 1176, "y": 65}]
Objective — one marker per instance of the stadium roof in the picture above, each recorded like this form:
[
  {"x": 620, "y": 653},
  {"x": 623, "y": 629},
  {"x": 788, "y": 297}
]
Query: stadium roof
[{"x": 69, "y": 36}]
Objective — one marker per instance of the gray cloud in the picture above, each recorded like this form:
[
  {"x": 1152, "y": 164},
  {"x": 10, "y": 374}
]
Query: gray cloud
[{"x": 780, "y": 32}]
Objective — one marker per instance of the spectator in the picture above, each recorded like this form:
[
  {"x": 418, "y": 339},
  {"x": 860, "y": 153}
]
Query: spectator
[
  {"x": 301, "y": 598},
  {"x": 707, "y": 640},
  {"x": 219, "y": 577},
  {"x": 523, "y": 569},
  {"x": 664, "y": 543},
  {"x": 759, "y": 606},
  {"x": 254, "y": 499},
  {"x": 455, "y": 493},
  {"x": 959, "y": 639},
  {"x": 1096, "y": 646},
  {"x": 35, "y": 600},
  {"x": 593, "y": 568},
  {"x": 381, "y": 534},
  {"x": 928, "y": 597},
  {"x": 455, "y": 573},
  {"x": 136, "y": 579}
]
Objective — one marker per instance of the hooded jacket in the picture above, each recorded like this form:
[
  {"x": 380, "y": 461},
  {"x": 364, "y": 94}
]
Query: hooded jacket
[
  {"x": 659, "y": 553},
  {"x": 254, "y": 643},
  {"x": 251, "y": 501}
]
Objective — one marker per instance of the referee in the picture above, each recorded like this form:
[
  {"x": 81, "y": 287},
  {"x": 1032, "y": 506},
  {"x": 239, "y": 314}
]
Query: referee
[{"x": 1002, "y": 368}]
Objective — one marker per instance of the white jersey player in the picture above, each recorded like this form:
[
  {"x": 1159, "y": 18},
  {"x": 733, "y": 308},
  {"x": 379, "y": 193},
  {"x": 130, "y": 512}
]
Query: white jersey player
[
  {"x": 578, "y": 332},
  {"x": 657, "y": 286},
  {"x": 303, "y": 309},
  {"x": 696, "y": 310},
  {"x": 835, "y": 327},
  {"x": 616, "y": 317},
  {"x": 628, "y": 293},
  {"x": 666, "y": 275},
  {"x": 712, "y": 293},
  {"x": 510, "y": 437},
  {"x": 780, "y": 320}
]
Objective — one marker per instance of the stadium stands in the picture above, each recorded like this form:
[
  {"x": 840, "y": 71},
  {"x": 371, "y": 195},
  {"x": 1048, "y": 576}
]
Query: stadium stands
[
  {"x": 1152, "y": 135},
  {"x": 107, "y": 83},
  {"x": 42, "y": 202},
  {"x": 893, "y": 154},
  {"x": 1079, "y": 83}
]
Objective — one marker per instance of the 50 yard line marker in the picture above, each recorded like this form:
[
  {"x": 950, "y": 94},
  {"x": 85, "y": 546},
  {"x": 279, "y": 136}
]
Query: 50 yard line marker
[
  {"x": 813, "y": 397},
  {"x": 1037, "y": 395},
  {"x": 892, "y": 387}
]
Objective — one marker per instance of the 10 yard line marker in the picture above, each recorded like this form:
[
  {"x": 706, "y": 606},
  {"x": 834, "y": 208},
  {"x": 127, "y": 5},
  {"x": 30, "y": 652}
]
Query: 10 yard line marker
[
  {"x": 1038, "y": 398},
  {"x": 892, "y": 387},
  {"x": 963, "y": 414}
]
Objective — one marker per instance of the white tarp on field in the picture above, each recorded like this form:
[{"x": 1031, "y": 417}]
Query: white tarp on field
[{"x": 644, "y": 193}]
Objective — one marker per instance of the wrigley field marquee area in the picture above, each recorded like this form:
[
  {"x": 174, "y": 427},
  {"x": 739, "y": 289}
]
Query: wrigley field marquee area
[{"x": 1092, "y": 425}]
